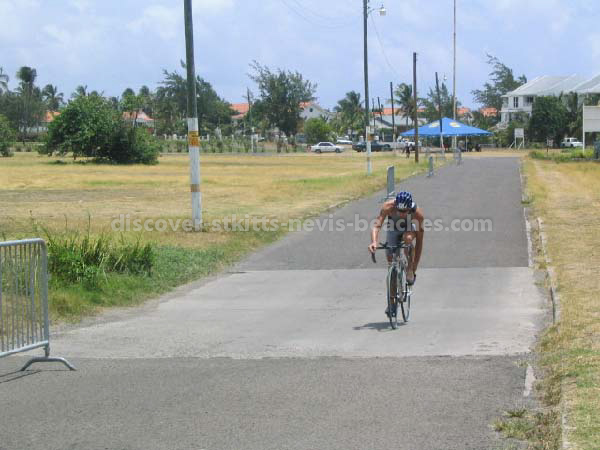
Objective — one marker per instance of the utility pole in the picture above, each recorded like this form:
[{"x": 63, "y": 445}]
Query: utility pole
[
  {"x": 393, "y": 120},
  {"x": 252, "y": 144},
  {"x": 373, "y": 113},
  {"x": 366, "y": 64},
  {"x": 192, "y": 119},
  {"x": 380, "y": 113},
  {"x": 454, "y": 78},
  {"x": 437, "y": 88},
  {"x": 416, "y": 119}
]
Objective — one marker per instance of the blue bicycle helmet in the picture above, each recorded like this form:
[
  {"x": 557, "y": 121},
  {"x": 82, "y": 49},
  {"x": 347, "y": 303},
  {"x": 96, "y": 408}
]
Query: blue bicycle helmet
[{"x": 404, "y": 200}]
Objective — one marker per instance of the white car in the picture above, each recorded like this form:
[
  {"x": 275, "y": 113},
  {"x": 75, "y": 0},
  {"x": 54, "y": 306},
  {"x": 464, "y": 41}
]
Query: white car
[
  {"x": 342, "y": 141},
  {"x": 571, "y": 142},
  {"x": 326, "y": 147}
]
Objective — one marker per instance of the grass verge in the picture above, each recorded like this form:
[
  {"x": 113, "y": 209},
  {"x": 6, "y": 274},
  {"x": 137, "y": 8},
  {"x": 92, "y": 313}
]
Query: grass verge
[{"x": 567, "y": 198}]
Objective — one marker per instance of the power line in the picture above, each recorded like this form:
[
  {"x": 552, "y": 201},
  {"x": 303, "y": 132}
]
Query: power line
[
  {"x": 383, "y": 49},
  {"x": 300, "y": 14},
  {"x": 334, "y": 21}
]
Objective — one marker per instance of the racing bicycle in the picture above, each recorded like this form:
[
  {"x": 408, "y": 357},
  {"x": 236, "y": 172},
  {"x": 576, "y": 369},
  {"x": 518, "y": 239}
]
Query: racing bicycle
[{"x": 398, "y": 289}]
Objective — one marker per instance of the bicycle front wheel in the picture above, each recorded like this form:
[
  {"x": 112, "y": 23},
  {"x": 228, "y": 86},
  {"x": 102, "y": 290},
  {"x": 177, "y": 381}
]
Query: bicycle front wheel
[
  {"x": 392, "y": 297},
  {"x": 404, "y": 298}
]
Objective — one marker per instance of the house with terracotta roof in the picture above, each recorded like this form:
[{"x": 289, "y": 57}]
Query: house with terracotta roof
[
  {"x": 142, "y": 118},
  {"x": 488, "y": 112},
  {"x": 241, "y": 109},
  {"x": 42, "y": 127}
]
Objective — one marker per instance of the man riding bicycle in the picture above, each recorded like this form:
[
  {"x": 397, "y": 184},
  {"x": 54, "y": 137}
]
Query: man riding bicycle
[{"x": 404, "y": 223}]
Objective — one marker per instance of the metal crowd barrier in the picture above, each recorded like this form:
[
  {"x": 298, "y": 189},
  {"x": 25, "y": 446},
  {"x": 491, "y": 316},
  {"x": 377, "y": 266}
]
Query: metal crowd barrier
[{"x": 24, "y": 323}]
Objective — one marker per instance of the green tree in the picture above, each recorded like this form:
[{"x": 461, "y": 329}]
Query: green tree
[
  {"x": 280, "y": 96},
  {"x": 54, "y": 99},
  {"x": 431, "y": 103},
  {"x": 549, "y": 119},
  {"x": 171, "y": 104},
  {"x": 7, "y": 136},
  {"x": 317, "y": 130},
  {"x": 502, "y": 80},
  {"x": 11, "y": 106},
  {"x": 483, "y": 122},
  {"x": 80, "y": 91},
  {"x": 131, "y": 103},
  {"x": 32, "y": 107},
  {"x": 146, "y": 97},
  {"x": 403, "y": 97},
  {"x": 84, "y": 128},
  {"x": 350, "y": 113},
  {"x": 90, "y": 126}
]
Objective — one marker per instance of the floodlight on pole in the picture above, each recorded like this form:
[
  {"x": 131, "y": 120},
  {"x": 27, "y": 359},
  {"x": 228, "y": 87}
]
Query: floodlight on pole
[{"x": 366, "y": 12}]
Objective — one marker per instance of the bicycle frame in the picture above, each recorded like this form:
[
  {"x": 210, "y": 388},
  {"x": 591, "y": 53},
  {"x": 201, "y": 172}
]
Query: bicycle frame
[{"x": 402, "y": 293}]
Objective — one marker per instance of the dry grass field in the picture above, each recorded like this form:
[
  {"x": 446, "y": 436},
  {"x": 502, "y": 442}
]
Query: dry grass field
[
  {"x": 41, "y": 196},
  {"x": 567, "y": 197},
  {"x": 58, "y": 192}
]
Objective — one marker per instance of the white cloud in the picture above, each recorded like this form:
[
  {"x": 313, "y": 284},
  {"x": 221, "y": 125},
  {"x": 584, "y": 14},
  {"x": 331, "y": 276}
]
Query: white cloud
[
  {"x": 159, "y": 20},
  {"x": 13, "y": 15},
  {"x": 81, "y": 5},
  {"x": 214, "y": 6}
]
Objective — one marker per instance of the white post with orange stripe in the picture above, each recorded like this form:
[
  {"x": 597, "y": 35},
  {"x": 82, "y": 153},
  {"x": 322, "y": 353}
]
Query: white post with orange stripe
[{"x": 194, "y": 149}]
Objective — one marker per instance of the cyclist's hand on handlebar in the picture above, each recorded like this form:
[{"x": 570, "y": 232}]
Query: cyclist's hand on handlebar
[{"x": 373, "y": 247}]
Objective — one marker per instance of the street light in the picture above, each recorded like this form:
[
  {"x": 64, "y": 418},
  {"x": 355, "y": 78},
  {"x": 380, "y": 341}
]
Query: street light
[{"x": 366, "y": 12}]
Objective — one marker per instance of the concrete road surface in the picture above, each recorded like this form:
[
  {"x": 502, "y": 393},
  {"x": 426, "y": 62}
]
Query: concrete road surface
[{"x": 291, "y": 349}]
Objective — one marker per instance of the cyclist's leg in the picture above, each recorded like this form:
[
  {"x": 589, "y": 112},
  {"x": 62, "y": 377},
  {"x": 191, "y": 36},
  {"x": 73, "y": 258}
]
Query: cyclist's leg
[
  {"x": 393, "y": 238},
  {"x": 409, "y": 239}
]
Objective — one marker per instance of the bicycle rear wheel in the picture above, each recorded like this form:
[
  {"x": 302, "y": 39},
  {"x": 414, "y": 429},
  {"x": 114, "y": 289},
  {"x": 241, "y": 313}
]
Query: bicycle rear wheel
[
  {"x": 404, "y": 295},
  {"x": 392, "y": 296}
]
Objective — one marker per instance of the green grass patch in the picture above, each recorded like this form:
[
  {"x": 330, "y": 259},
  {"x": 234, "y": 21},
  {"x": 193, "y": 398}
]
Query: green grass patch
[
  {"x": 171, "y": 267},
  {"x": 563, "y": 156}
]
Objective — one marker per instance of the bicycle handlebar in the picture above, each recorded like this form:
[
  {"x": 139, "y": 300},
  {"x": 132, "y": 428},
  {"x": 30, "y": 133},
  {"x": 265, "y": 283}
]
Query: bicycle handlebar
[{"x": 385, "y": 246}]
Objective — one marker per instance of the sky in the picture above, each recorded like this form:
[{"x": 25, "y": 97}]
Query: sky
[{"x": 110, "y": 45}]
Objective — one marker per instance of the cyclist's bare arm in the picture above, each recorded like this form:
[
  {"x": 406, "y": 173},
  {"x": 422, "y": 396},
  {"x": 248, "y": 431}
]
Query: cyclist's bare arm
[
  {"x": 386, "y": 210},
  {"x": 419, "y": 217}
]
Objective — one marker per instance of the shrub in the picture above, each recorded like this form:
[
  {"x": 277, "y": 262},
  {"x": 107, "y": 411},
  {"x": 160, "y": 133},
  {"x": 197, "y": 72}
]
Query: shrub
[
  {"x": 74, "y": 259},
  {"x": 317, "y": 130},
  {"x": 89, "y": 126},
  {"x": 7, "y": 135},
  {"x": 570, "y": 155},
  {"x": 130, "y": 146},
  {"x": 85, "y": 127}
]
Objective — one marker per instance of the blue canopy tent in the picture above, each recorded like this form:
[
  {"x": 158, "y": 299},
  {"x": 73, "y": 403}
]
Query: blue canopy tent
[{"x": 449, "y": 128}]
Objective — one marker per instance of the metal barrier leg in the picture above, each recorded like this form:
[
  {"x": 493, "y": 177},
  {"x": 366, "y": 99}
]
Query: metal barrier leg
[
  {"x": 47, "y": 358},
  {"x": 44, "y": 359}
]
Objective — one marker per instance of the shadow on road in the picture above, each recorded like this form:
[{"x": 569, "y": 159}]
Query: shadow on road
[
  {"x": 12, "y": 376},
  {"x": 377, "y": 326}
]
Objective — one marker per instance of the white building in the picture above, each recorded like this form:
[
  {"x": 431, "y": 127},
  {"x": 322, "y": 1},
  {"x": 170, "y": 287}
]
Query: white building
[
  {"x": 521, "y": 99},
  {"x": 312, "y": 110}
]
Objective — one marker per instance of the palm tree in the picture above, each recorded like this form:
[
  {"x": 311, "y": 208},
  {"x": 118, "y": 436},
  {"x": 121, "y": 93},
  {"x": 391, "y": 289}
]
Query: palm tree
[
  {"x": 403, "y": 95},
  {"x": 351, "y": 111},
  {"x": 52, "y": 97},
  {"x": 80, "y": 91},
  {"x": 3, "y": 81},
  {"x": 27, "y": 76}
]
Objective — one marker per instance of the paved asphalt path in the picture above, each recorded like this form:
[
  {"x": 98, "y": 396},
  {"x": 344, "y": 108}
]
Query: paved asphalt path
[{"x": 291, "y": 350}]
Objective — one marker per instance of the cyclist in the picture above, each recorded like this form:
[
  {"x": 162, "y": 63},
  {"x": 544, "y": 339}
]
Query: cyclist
[{"x": 404, "y": 222}]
